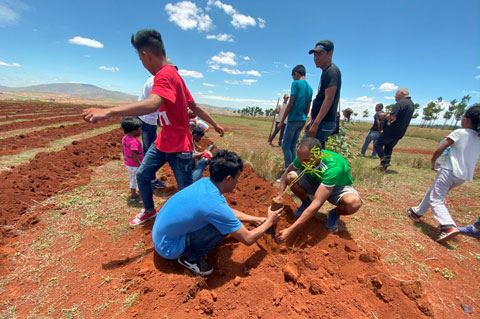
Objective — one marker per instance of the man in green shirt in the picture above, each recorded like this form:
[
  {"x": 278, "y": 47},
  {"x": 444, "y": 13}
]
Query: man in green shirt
[{"x": 329, "y": 180}]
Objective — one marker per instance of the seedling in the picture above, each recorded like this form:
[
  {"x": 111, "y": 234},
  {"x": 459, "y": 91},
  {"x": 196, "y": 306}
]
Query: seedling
[{"x": 309, "y": 167}]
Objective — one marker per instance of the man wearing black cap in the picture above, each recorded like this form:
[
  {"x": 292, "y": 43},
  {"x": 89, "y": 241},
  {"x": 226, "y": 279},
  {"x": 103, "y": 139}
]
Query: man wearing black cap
[{"x": 324, "y": 109}]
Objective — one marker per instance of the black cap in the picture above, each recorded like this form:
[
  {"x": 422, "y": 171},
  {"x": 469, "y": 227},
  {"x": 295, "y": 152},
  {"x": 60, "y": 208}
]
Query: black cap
[{"x": 324, "y": 45}]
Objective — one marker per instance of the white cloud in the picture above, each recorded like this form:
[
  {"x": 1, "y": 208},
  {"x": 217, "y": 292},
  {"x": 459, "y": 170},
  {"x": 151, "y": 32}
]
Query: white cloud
[
  {"x": 227, "y": 58},
  {"x": 193, "y": 74},
  {"x": 87, "y": 42},
  {"x": 387, "y": 87},
  {"x": 238, "y": 100},
  {"x": 188, "y": 16},
  {"x": 474, "y": 93},
  {"x": 10, "y": 11},
  {"x": 220, "y": 37},
  {"x": 389, "y": 97},
  {"x": 253, "y": 73},
  {"x": 209, "y": 84},
  {"x": 477, "y": 77},
  {"x": 246, "y": 58},
  {"x": 244, "y": 82},
  {"x": 238, "y": 72},
  {"x": 241, "y": 21},
  {"x": 370, "y": 86},
  {"x": 15, "y": 65},
  {"x": 364, "y": 99},
  {"x": 249, "y": 81},
  {"x": 111, "y": 69},
  {"x": 228, "y": 9},
  {"x": 261, "y": 23}
]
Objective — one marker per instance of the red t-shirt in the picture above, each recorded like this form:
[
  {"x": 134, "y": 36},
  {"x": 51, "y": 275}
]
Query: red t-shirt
[{"x": 175, "y": 134}]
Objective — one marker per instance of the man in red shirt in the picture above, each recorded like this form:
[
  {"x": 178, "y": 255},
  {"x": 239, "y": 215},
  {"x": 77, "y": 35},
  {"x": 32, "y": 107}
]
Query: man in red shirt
[{"x": 171, "y": 98}]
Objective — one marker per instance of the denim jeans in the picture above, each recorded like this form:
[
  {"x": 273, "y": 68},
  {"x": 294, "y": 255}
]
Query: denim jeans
[
  {"x": 325, "y": 129},
  {"x": 149, "y": 135},
  {"x": 477, "y": 223},
  {"x": 290, "y": 138},
  {"x": 371, "y": 136},
  {"x": 180, "y": 163},
  {"x": 275, "y": 131},
  {"x": 198, "y": 170},
  {"x": 384, "y": 146},
  {"x": 200, "y": 242}
]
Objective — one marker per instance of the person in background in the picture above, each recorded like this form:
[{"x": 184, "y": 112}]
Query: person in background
[
  {"x": 132, "y": 151},
  {"x": 458, "y": 166},
  {"x": 323, "y": 119},
  {"x": 200, "y": 159},
  {"x": 280, "y": 110},
  {"x": 296, "y": 111},
  {"x": 375, "y": 130},
  {"x": 395, "y": 128}
]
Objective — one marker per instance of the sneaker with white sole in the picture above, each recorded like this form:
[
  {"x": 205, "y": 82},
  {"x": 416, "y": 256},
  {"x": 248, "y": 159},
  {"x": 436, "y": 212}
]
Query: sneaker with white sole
[
  {"x": 332, "y": 220},
  {"x": 143, "y": 217},
  {"x": 157, "y": 184},
  {"x": 413, "y": 215},
  {"x": 445, "y": 235},
  {"x": 200, "y": 266}
]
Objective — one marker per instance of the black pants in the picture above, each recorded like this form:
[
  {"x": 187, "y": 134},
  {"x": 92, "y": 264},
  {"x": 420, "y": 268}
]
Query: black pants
[
  {"x": 275, "y": 133},
  {"x": 384, "y": 147}
]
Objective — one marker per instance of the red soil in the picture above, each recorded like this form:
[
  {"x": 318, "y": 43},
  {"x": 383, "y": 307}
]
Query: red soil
[
  {"x": 34, "y": 123},
  {"x": 318, "y": 275},
  {"x": 41, "y": 138}
]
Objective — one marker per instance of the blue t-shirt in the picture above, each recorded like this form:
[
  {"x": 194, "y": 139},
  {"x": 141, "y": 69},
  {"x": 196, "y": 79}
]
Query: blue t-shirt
[
  {"x": 190, "y": 209},
  {"x": 303, "y": 95}
]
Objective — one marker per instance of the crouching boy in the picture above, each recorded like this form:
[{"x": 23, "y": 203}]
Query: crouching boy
[{"x": 198, "y": 218}]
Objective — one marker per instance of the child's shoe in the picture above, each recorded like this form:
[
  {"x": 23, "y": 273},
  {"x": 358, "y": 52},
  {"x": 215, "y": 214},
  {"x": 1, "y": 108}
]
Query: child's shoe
[
  {"x": 143, "y": 217},
  {"x": 298, "y": 212},
  {"x": 413, "y": 216},
  {"x": 332, "y": 220},
  {"x": 469, "y": 230},
  {"x": 445, "y": 235}
]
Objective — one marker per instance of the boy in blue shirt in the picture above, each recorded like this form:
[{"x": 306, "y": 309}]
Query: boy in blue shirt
[{"x": 198, "y": 218}]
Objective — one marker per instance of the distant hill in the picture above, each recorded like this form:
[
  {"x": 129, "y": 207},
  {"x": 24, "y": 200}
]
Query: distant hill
[{"x": 74, "y": 89}]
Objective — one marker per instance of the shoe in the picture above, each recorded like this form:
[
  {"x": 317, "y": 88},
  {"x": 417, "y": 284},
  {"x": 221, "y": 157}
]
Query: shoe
[
  {"x": 200, "y": 267},
  {"x": 133, "y": 198},
  {"x": 143, "y": 217},
  {"x": 298, "y": 212},
  {"x": 447, "y": 234},
  {"x": 278, "y": 180},
  {"x": 469, "y": 230},
  {"x": 413, "y": 216},
  {"x": 332, "y": 219},
  {"x": 158, "y": 184}
]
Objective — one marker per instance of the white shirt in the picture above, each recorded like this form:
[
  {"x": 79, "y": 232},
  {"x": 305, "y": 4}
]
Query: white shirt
[
  {"x": 464, "y": 153},
  {"x": 201, "y": 124},
  {"x": 150, "y": 118},
  {"x": 281, "y": 112}
]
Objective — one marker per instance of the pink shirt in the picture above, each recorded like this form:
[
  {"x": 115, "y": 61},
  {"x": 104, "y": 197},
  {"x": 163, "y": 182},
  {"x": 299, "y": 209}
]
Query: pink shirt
[{"x": 129, "y": 144}]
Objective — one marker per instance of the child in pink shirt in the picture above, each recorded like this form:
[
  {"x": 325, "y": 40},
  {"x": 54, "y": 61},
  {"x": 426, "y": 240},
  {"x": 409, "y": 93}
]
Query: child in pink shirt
[{"x": 132, "y": 151}]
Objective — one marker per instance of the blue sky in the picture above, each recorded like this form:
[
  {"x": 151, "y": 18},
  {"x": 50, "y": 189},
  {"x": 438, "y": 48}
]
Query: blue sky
[{"x": 240, "y": 53}]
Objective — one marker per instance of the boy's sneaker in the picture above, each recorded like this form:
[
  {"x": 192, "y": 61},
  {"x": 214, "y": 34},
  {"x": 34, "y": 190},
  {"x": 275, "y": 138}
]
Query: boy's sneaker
[
  {"x": 413, "y": 216},
  {"x": 469, "y": 230},
  {"x": 298, "y": 212},
  {"x": 158, "y": 184},
  {"x": 332, "y": 219},
  {"x": 447, "y": 234},
  {"x": 200, "y": 267},
  {"x": 143, "y": 217}
]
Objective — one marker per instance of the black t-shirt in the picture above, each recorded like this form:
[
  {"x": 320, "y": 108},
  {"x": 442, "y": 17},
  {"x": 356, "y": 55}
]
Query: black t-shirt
[
  {"x": 331, "y": 76},
  {"x": 375, "y": 118},
  {"x": 403, "y": 111}
]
